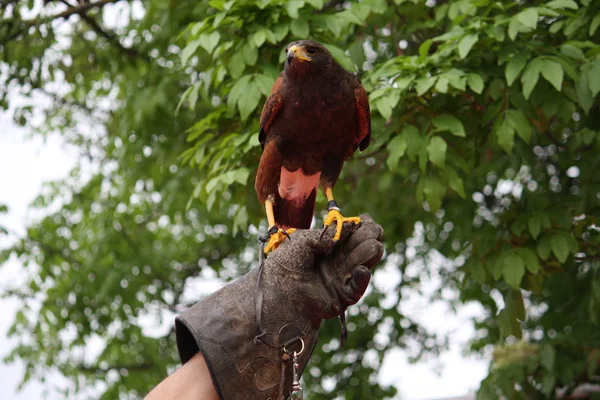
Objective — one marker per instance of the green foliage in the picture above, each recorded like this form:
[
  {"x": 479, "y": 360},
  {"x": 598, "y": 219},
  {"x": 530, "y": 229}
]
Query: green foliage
[{"x": 486, "y": 150}]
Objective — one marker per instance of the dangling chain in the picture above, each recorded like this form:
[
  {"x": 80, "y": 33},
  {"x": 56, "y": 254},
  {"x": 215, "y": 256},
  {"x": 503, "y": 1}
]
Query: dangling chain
[
  {"x": 296, "y": 388},
  {"x": 297, "y": 393}
]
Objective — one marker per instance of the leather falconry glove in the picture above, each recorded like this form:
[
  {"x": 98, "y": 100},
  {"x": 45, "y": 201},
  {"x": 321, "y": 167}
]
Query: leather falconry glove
[{"x": 261, "y": 355}]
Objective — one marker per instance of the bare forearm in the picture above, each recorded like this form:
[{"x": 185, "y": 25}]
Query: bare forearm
[{"x": 190, "y": 382}]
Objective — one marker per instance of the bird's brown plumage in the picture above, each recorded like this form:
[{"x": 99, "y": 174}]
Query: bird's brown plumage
[{"x": 315, "y": 118}]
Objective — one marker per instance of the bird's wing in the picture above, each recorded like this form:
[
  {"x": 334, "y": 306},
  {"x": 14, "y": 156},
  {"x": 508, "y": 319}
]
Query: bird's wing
[
  {"x": 270, "y": 109},
  {"x": 364, "y": 117}
]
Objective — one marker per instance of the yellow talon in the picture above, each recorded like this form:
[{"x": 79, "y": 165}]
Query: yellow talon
[
  {"x": 277, "y": 238},
  {"x": 339, "y": 219}
]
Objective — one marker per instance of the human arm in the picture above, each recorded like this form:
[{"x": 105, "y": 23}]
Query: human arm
[{"x": 190, "y": 382}]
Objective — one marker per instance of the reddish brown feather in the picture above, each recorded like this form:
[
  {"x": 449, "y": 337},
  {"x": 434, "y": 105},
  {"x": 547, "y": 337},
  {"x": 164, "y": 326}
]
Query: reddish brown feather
[
  {"x": 269, "y": 171},
  {"x": 269, "y": 111},
  {"x": 364, "y": 117}
]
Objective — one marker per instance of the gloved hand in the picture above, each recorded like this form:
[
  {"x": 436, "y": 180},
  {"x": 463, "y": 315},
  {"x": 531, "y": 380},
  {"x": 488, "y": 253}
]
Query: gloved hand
[{"x": 249, "y": 330}]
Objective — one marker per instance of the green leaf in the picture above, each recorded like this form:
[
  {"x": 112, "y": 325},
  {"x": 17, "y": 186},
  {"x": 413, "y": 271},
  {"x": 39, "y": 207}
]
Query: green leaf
[
  {"x": 530, "y": 76},
  {"x": 508, "y": 323},
  {"x": 413, "y": 139},
  {"x": 397, "y": 148},
  {"x": 584, "y": 93},
  {"x": 239, "y": 175},
  {"x": 506, "y": 135},
  {"x": 513, "y": 270},
  {"x": 516, "y": 299},
  {"x": 477, "y": 270},
  {"x": 562, "y": 4},
  {"x": 437, "y": 151},
  {"x": 280, "y": 31},
  {"x": 340, "y": 56},
  {"x": 189, "y": 50},
  {"x": 442, "y": 85},
  {"x": 300, "y": 28},
  {"x": 236, "y": 90},
  {"x": 264, "y": 84},
  {"x": 530, "y": 259},
  {"x": 514, "y": 67},
  {"x": 519, "y": 123},
  {"x": 535, "y": 225},
  {"x": 219, "y": 18},
  {"x": 457, "y": 80},
  {"x": 547, "y": 357},
  {"x": 466, "y": 44},
  {"x": 514, "y": 27},
  {"x": 292, "y": 7},
  {"x": 434, "y": 190},
  {"x": 332, "y": 23},
  {"x": 594, "y": 78},
  {"x": 209, "y": 41},
  {"x": 250, "y": 53},
  {"x": 518, "y": 225},
  {"x": 594, "y": 25},
  {"x": 557, "y": 26},
  {"x": 248, "y": 100},
  {"x": 424, "y": 84},
  {"x": 544, "y": 247},
  {"x": 447, "y": 122},
  {"x": 560, "y": 248},
  {"x": 240, "y": 221},
  {"x": 455, "y": 182},
  {"x": 553, "y": 73},
  {"x": 259, "y": 38},
  {"x": 528, "y": 17},
  {"x": 496, "y": 266},
  {"x": 475, "y": 81},
  {"x": 237, "y": 65},
  {"x": 572, "y": 52},
  {"x": 424, "y": 47},
  {"x": 385, "y": 104}
]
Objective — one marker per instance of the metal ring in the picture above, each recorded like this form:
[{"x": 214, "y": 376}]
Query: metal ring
[
  {"x": 301, "y": 349},
  {"x": 334, "y": 208}
]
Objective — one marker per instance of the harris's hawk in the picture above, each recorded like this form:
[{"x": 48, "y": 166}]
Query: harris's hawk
[{"x": 315, "y": 118}]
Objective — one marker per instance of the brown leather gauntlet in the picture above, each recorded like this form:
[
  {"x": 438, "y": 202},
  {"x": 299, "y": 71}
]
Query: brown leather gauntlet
[{"x": 303, "y": 282}]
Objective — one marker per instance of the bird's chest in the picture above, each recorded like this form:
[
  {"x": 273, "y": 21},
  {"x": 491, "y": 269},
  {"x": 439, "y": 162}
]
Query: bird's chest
[{"x": 316, "y": 110}]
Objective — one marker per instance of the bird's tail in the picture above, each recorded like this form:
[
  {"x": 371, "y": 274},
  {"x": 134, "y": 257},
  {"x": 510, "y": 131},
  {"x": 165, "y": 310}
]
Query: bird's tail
[{"x": 295, "y": 213}]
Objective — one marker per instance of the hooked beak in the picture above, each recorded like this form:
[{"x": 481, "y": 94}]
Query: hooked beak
[{"x": 297, "y": 52}]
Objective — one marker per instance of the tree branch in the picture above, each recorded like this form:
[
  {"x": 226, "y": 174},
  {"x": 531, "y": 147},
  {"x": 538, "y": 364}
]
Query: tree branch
[
  {"x": 109, "y": 36},
  {"x": 75, "y": 10},
  {"x": 80, "y": 9}
]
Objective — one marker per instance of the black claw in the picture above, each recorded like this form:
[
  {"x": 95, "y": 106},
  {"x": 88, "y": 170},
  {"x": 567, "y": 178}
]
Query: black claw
[
  {"x": 272, "y": 230},
  {"x": 287, "y": 235},
  {"x": 344, "y": 333},
  {"x": 324, "y": 232}
]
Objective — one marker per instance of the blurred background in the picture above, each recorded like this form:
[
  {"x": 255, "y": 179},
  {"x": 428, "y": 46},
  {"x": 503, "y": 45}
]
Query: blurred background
[{"x": 128, "y": 148}]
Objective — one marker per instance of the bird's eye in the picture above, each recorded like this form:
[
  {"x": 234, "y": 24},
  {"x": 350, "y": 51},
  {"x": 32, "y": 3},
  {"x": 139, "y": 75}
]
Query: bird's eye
[{"x": 312, "y": 51}]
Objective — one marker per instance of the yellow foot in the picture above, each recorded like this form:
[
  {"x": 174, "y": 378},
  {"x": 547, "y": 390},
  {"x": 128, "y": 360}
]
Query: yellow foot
[
  {"x": 339, "y": 219},
  {"x": 276, "y": 238}
]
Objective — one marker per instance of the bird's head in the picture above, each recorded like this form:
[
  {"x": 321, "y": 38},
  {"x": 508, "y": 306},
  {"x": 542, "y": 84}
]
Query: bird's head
[{"x": 307, "y": 55}]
